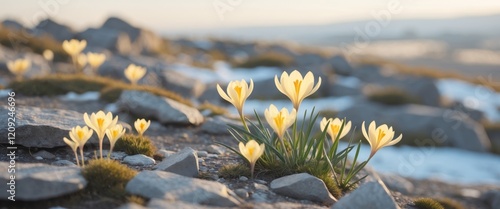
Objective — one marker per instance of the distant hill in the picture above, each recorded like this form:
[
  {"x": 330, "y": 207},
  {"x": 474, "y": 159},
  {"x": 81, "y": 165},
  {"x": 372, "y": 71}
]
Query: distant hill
[{"x": 464, "y": 26}]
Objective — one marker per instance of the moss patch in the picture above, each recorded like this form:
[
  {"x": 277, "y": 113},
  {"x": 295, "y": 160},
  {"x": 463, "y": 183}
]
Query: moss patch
[
  {"x": 110, "y": 89},
  {"x": 270, "y": 59},
  {"x": 108, "y": 177},
  {"x": 233, "y": 171},
  {"x": 393, "y": 96},
  {"x": 427, "y": 203},
  {"x": 133, "y": 144}
]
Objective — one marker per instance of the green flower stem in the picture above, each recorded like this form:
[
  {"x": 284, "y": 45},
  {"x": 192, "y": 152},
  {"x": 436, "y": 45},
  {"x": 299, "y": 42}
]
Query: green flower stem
[
  {"x": 81, "y": 154},
  {"x": 76, "y": 157}
]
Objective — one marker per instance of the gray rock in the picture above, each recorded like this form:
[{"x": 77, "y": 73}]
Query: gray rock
[
  {"x": 181, "y": 84},
  {"x": 172, "y": 204},
  {"x": 139, "y": 159},
  {"x": 339, "y": 65},
  {"x": 397, "y": 183},
  {"x": 166, "y": 111},
  {"x": 422, "y": 89},
  {"x": 38, "y": 158},
  {"x": 170, "y": 186},
  {"x": 215, "y": 149},
  {"x": 185, "y": 163},
  {"x": 218, "y": 125},
  {"x": 422, "y": 125},
  {"x": 243, "y": 178},
  {"x": 42, "y": 128},
  {"x": 286, "y": 205},
  {"x": 132, "y": 205},
  {"x": 371, "y": 194},
  {"x": 106, "y": 38},
  {"x": 40, "y": 181},
  {"x": 12, "y": 24},
  {"x": 115, "y": 155},
  {"x": 57, "y": 31},
  {"x": 63, "y": 163},
  {"x": 303, "y": 186},
  {"x": 202, "y": 153},
  {"x": 44, "y": 154},
  {"x": 492, "y": 198},
  {"x": 241, "y": 193},
  {"x": 165, "y": 153}
]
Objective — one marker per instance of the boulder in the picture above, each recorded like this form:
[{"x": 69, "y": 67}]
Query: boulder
[
  {"x": 397, "y": 183},
  {"x": 181, "y": 84},
  {"x": 12, "y": 24},
  {"x": 372, "y": 194},
  {"x": 218, "y": 125},
  {"x": 166, "y": 111},
  {"x": 422, "y": 125},
  {"x": 339, "y": 65},
  {"x": 41, "y": 128},
  {"x": 40, "y": 181},
  {"x": 422, "y": 89},
  {"x": 57, "y": 31},
  {"x": 173, "y": 187},
  {"x": 492, "y": 198},
  {"x": 185, "y": 163},
  {"x": 303, "y": 186},
  {"x": 106, "y": 38},
  {"x": 139, "y": 160}
]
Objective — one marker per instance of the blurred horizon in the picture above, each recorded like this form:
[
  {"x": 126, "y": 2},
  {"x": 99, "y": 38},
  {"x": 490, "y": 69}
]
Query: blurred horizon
[{"x": 192, "y": 15}]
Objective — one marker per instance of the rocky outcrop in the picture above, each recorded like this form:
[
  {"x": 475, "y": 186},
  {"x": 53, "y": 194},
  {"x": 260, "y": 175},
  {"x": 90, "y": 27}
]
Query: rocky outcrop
[
  {"x": 57, "y": 31},
  {"x": 423, "y": 125}
]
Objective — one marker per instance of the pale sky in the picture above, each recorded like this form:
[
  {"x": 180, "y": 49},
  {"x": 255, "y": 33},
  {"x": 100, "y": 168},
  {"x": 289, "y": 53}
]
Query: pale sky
[{"x": 200, "y": 14}]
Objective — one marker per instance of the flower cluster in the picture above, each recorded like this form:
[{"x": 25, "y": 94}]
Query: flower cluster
[
  {"x": 74, "y": 48},
  {"x": 103, "y": 124},
  {"x": 297, "y": 149}
]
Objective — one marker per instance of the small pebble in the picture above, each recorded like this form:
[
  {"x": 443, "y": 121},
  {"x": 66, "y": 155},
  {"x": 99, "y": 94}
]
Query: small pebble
[
  {"x": 215, "y": 156},
  {"x": 200, "y": 160},
  {"x": 165, "y": 153},
  {"x": 241, "y": 193},
  {"x": 243, "y": 178},
  {"x": 63, "y": 163},
  {"x": 203, "y": 169},
  {"x": 38, "y": 158},
  {"x": 202, "y": 153},
  {"x": 260, "y": 181},
  {"x": 260, "y": 187},
  {"x": 221, "y": 180}
]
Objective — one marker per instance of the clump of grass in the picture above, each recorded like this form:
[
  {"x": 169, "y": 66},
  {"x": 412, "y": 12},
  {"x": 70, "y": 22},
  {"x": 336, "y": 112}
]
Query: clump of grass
[
  {"x": 427, "y": 203},
  {"x": 214, "y": 109},
  {"x": 233, "y": 171},
  {"x": 204, "y": 175},
  {"x": 392, "y": 96},
  {"x": 108, "y": 177},
  {"x": 270, "y": 59},
  {"x": 448, "y": 203},
  {"x": 16, "y": 39},
  {"x": 134, "y": 144},
  {"x": 57, "y": 84},
  {"x": 136, "y": 199}
]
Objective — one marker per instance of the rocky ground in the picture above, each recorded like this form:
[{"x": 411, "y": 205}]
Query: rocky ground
[{"x": 253, "y": 193}]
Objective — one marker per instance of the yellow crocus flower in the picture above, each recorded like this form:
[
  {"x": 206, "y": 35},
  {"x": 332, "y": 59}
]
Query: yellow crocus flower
[
  {"x": 19, "y": 67},
  {"x": 74, "y": 145},
  {"x": 134, "y": 73},
  {"x": 81, "y": 136},
  {"x": 114, "y": 133},
  {"x": 379, "y": 137},
  {"x": 99, "y": 123},
  {"x": 296, "y": 87},
  {"x": 141, "y": 125},
  {"x": 252, "y": 152},
  {"x": 280, "y": 120},
  {"x": 74, "y": 47},
  {"x": 237, "y": 93},
  {"x": 95, "y": 60},
  {"x": 334, "y": 126}
]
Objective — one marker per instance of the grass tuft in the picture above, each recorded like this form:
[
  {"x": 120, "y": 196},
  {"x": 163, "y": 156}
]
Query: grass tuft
[
  {"x": 133, "y": 144},
  {"x": 214, "y": 109},
  {"x": 233, "y": 171},
  {"x": 108, "y": 177},
  {"x": 270, "y": 59},
  {"x": 57, "y": 84},
  {"x": 427, "y": 203},
  {"x": 392, "y": 96},
  {"x": 448, "y": 203}
]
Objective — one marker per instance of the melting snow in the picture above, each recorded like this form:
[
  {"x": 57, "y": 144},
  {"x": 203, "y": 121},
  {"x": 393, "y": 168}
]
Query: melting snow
[
  {"x": 442, "y": 163},
  {"x": 472, "y": 96}
]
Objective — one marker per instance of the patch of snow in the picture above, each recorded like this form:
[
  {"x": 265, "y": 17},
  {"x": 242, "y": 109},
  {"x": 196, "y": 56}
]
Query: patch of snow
[
  {"x": 472, "y": 96},
  {"x": 327, "y": 103},
  {"x": 442, "y": 163},
  {"x": 223, "y": 73},
  {"x": 87, "y": 96},
  {"x": 348, "y": 81},
  {"x": 112, "y": 107},
  {"x": 5, "y": 92}
]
